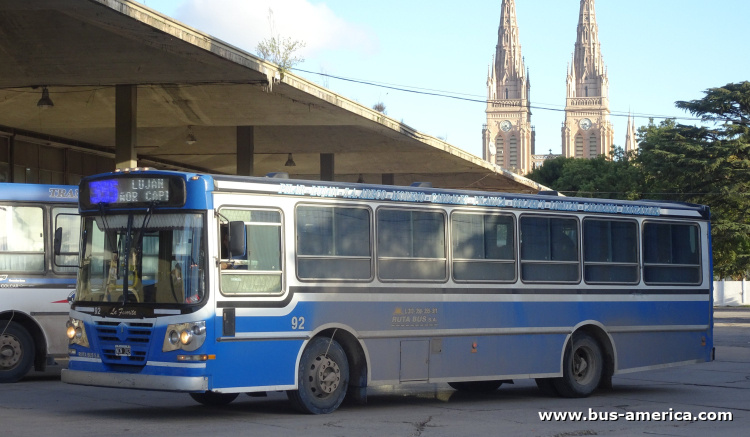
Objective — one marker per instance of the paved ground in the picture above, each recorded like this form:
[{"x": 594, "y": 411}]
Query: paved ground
[{"x": 42, "y": 405}]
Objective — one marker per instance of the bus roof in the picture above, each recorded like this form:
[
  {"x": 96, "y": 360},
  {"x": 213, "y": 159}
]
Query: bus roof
[
  {"x": 38, "y": 193},
  {"x": 418, "y": 195},
  {"x": 429, "y": 195}
]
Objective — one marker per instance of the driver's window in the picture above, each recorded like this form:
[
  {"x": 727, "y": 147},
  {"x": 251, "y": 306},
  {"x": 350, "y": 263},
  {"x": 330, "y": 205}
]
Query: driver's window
[{"x": 259, "y": 269}]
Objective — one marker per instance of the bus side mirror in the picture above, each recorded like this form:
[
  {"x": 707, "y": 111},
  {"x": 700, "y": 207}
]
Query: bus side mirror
[
  {"x": 237, "y": 238},
  {"x": 58, "y": 241}
]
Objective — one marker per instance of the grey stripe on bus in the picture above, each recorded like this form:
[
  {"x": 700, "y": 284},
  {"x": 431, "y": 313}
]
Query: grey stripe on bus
[
  {"x": 481, "y": 332},
  {"x": 404, "y": 292}
]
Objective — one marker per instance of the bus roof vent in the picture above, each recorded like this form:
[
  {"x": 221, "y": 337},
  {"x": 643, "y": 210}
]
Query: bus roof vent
[
  {"x": 550, "y": 193},
  {"x": 422, "y": 184},
  {"x": 278, "y": 175}
]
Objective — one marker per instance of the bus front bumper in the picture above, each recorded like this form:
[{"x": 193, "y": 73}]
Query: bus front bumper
[{"x": 136, "y": 381}]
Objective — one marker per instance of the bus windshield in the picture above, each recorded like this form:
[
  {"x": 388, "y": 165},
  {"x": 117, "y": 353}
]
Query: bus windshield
[{"x": 161, "y": 261}]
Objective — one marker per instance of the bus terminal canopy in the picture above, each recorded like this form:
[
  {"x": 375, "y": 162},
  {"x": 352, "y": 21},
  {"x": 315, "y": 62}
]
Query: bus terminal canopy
[{"x": 132, "y": 84}]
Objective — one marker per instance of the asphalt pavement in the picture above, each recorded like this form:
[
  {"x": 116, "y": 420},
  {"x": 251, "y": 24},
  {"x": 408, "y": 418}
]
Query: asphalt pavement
[{"x": 41, "y": 405}]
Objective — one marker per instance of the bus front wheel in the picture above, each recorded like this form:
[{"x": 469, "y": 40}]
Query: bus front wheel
[
  {"x": 214, "y": 399},
  {"x": 323, "y": 377},
  {"x": 16, "y": 352},
  {"x": 582, "y": 367}
]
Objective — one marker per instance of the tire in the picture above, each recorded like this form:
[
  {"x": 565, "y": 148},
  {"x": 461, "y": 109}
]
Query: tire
[
  {"x": 16, "y": 352},
  {"x": 547, "y": 386},
  {"x": 214, "y": 399},
  {"x": 582, "y": 368},
  {"x": 476, "y": 386},
  {"x": 323, "y": 377}
]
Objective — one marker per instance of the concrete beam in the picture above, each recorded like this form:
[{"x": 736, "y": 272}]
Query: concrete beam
[
  {"x": 126, "y": 126},
  {"x": 245, "y": 150},
  {"x": 326, "y": 167},
  {"x": 388, "y": 179}
]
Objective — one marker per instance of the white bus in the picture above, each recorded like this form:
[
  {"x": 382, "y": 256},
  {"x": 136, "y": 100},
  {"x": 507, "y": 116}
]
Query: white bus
[{"x": 34, "y": 288}]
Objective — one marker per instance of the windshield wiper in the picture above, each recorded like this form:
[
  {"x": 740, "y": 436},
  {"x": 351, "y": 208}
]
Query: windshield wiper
[
  {"x": 135, "y": 249},
  {"x": 126, "y": 254}
]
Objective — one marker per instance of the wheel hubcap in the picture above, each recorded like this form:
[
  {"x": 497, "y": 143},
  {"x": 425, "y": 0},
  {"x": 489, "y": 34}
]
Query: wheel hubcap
[
  {"x": 10, "y": 352},
  {"x": 324, "y": 376},
  {"x": 582, "y": 365}
]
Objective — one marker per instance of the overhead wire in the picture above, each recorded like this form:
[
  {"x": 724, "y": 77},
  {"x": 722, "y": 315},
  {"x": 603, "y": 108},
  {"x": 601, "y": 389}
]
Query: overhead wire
[{"x": 459, "y": 96}]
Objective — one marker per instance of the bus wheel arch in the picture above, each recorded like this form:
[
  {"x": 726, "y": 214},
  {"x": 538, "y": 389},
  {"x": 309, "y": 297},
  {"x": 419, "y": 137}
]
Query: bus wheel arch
[
  {"x": 607, "y": 345},
  {"x": 356, "y": 353},
  {"x": 34, "y": 330},
  {"x": 589, "y": 337}
]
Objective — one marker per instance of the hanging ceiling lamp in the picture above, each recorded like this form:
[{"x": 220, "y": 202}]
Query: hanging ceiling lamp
[
  {"x": 190, "y": 139},
  {"x": 290, "y": 162},
  {"x": 45, "y": 102}
]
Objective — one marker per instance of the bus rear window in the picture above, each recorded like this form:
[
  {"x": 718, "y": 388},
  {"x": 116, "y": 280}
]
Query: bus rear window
[
  {"x": 671, "y": 254},
  {"x": 22, "y": 239}
]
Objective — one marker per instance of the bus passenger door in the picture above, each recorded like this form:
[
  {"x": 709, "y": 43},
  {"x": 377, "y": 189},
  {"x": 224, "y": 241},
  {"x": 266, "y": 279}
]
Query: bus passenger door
[{"x": 415, "y": 360}]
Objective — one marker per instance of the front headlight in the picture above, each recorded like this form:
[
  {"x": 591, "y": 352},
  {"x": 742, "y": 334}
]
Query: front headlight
[
  {"x": 76, "y": 332},
  {"x": 184, "y": 336}
]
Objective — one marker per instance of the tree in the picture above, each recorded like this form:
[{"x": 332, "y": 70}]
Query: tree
[
  {"x": 380, "y": 107},
  {"x": 709, "y": 165},
  {"x": 280, "y": 50},
  {"x": 613, "y": 177}
]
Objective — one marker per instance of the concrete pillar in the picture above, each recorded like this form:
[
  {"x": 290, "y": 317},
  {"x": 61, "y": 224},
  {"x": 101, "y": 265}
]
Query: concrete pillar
[
  {"x": 246, "y": 150},
  {"x": 126, "y": 115},
  {"x": 326, "y": 167},
  {"x": 388, "y": 179},
  {"x": 12, "y": 158}
]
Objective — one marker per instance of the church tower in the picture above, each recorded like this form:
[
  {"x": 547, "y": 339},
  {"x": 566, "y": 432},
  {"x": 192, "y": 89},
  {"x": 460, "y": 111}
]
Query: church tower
[
  {"x": 587, "y": 131},
  {"x": 508, "y": 136}
]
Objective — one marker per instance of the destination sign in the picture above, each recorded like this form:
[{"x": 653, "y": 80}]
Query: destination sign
[{"x": 134, "y": 191}]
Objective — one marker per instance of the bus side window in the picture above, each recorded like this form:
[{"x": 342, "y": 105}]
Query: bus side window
[
  {"x": 333, "y": 243},
  {"x": 483, "y": 247},
  {"x": 610, "y": 251},
  {"x": 411, "y": 245},
  {"x": 671, "y": 254},
  {"x": 549, "y": 249},
  {"x": 22, "y": 239},
  {"x": 70, "y": 222},
  {"x": 259, "y": 271}
]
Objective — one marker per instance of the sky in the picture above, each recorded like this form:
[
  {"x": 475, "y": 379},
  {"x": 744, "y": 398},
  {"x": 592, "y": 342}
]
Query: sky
[{"x": 657, "y": 52}]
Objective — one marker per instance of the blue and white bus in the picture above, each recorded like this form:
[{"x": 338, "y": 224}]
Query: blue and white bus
[
  {"x": 221, "y": 285},
  {"x": 35, "y": 284}
]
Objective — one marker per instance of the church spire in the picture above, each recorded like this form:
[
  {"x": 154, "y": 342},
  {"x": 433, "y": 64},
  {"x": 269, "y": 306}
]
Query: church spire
[
  {"x": 587, "y": 131},
  {"x": 631, "y": 140},
  {"x": 588, "y": 69},
  {"x": 508, "y": 57},
  {"x": 509, "y": 129}
]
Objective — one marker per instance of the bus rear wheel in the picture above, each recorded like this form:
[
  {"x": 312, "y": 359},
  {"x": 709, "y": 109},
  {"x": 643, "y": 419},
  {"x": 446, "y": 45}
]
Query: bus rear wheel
[
  {"x": 214, "y": 399},
  {"x": 582, "y": 367},
  {"x": 476, "y": 386},
  {"x": 323, "y": 377},
  {"x": 16, "y": 352}
]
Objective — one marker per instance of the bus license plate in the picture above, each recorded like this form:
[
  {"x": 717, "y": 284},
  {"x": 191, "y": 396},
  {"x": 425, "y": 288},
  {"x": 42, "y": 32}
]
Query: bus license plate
[{"x": 122, "y": 351}]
